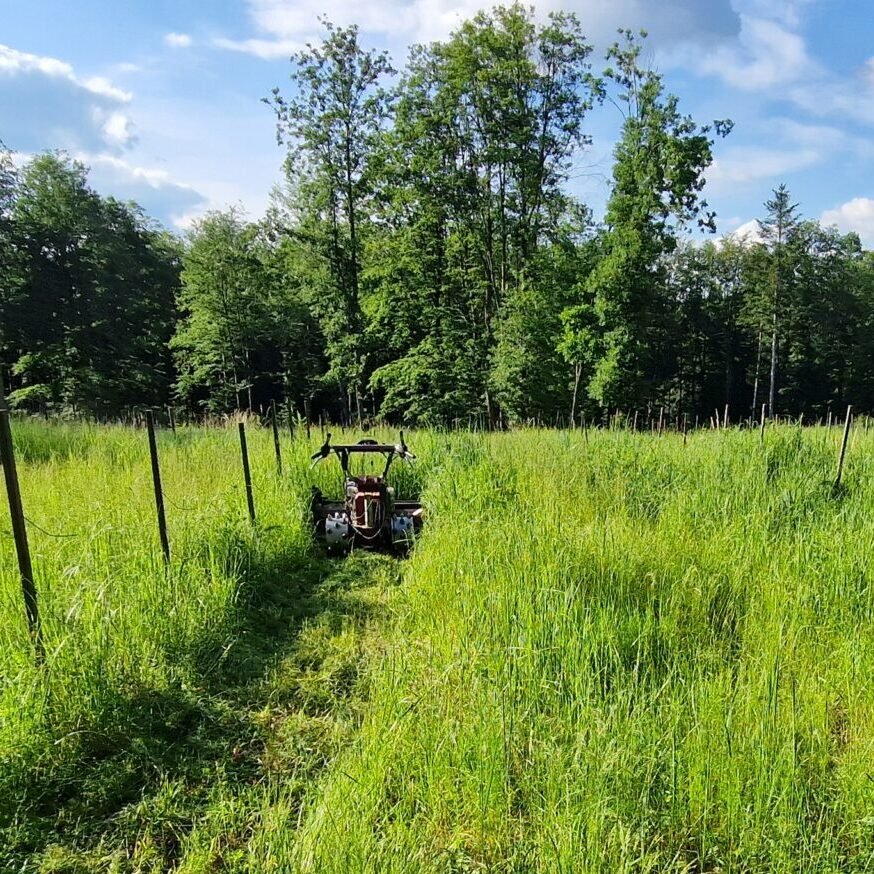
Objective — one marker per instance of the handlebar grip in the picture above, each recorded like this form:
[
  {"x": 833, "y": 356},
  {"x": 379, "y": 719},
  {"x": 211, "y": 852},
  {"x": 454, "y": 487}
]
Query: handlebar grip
[{"x": 324, "y": 452}]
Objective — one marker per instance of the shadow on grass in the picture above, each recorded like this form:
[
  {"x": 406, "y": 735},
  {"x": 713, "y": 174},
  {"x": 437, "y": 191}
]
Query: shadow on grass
[{"x": 135, "y": 785}]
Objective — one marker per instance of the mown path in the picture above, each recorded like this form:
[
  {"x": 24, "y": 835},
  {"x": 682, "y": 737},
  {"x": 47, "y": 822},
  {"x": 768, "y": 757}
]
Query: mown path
[{"x": 189, "y": 781}]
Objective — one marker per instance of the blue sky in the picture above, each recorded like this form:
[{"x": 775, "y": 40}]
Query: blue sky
[{"x": 162, "y": 99}]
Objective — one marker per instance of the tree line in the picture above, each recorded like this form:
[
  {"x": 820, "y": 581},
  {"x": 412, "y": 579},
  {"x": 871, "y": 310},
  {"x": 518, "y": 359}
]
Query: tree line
[{"x": 426, "y": 261}]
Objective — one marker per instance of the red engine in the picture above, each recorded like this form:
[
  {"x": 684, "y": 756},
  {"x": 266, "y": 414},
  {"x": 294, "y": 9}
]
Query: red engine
[{"x": 368, "y": 516}]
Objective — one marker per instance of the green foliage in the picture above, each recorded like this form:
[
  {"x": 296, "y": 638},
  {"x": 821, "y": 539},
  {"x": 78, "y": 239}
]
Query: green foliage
[
  {"x": 438, "y": 381},
  {"x": 89, "y": 306},
  {"x": 530, "y": 375},
  {"x": 246, "y": 335},
  {"x": 332, "y": 127},
  {"x": 485, "y": 127},
  {"x": 658, "y": 174},
  {"x": 426, "y": 263}
]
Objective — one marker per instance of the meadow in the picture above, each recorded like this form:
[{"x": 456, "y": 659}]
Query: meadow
[{"x": 608, "y": 652}]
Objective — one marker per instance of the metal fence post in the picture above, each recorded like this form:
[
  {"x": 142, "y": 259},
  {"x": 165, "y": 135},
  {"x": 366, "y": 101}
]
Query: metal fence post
[
  {"x": 156, "y": 482},
  {"x": 247, "y": 474},
  {"x": 19, "y": 530}
]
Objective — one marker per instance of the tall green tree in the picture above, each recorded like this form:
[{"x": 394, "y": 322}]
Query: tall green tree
[
  {"x": 224, "y": 314},
  {"x": 707, "y": 284},
  {"x": 89, "y": 324},
  {"x": 778, "y": 229},
  {"x": 623, "y": 328},
  {"x": 246, "y": 336},
  {"x": 11, "y": 261},
  {"x": 333, "y": 126},
  {"x": 531, "y": 377},
  {"x": 486, "y": 126},
  {"x": 821, "y": 319}
]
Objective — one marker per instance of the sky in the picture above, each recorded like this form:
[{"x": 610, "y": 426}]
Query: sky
[{"x": 162, "y": 99}]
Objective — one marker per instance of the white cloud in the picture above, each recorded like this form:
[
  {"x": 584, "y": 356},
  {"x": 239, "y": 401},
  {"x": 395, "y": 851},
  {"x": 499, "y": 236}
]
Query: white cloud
[
  {"x": 177, "y": 40},
  {"x": 842, "y": 98},
  {"x": 45, "y": 103},
  {"x": 153, "y": 188},
  {"x": 105, "y": 88},
  {"x": 669, "y": 23},
  {"x": 748, "y": 232},
  {"x": 13, "y": 63},
  {"x": 265, "y": 49},
  {"x": 788, "y": 12},
  {"x": 854, "y": 215},
  {"x": 155, "y": 178},
  {"x": 282, "y": 26},
  {"x": 766, "y": 55},
  {"x": 845, "y": 97},
  {"x": 118, "y": 129},
  {"x": 792, "y": 146},
  {"x": 744, "y": 164}
]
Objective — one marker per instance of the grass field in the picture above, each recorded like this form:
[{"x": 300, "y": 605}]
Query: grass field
[{"x": 608, "y": 654}]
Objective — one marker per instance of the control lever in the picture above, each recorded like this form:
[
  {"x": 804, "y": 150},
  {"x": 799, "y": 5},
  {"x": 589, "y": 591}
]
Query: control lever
[{"x": 322, "y": 453}]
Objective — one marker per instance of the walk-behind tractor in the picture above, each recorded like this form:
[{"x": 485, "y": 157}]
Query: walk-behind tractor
[{"x": 368, "y": 515}]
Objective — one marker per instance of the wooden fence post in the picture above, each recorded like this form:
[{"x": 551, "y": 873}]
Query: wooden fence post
[
  {"x": 685, "y": 427},
  {"x": 276, "y": 447},
  {"x": 156, "y": 482},
  {"x": 247, "y": 474},
  {"x": 172, "y": 419},
  {"x": 290, "y": 418},
  {"x": 849, "y": 418},
  {"x": 762, "y": 425},
  {"x": 19, "y": 530}
]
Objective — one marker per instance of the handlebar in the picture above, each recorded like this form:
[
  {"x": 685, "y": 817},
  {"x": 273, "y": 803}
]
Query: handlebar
[
  {"x": 323, "y": 452},
  {"x": 363, "y": 446}
]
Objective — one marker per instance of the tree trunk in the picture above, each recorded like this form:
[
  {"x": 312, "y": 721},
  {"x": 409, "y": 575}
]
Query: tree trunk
[
  {"x": 756, "y": 380},
  {"x": 773, "y": 385},
  {"x": 578, "y": 370},
  {"x": 490, "y": 411}
]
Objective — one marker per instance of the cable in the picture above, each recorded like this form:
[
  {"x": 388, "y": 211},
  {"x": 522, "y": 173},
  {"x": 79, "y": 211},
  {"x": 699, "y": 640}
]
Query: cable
[
  {"x": 378, "y": 527},
  {"x": 48, "y": 533}
]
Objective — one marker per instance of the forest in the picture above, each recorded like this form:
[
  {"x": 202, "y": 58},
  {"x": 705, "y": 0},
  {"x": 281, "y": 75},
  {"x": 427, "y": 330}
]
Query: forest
[{"x": 426, "y": 261}]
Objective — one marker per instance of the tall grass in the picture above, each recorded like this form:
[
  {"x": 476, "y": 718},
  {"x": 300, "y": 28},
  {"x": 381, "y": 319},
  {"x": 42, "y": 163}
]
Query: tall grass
[
  {"x": 613, "y": 654},
  {"x": 621, "y": 656},
  {"x": 134, "y": 649}
]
